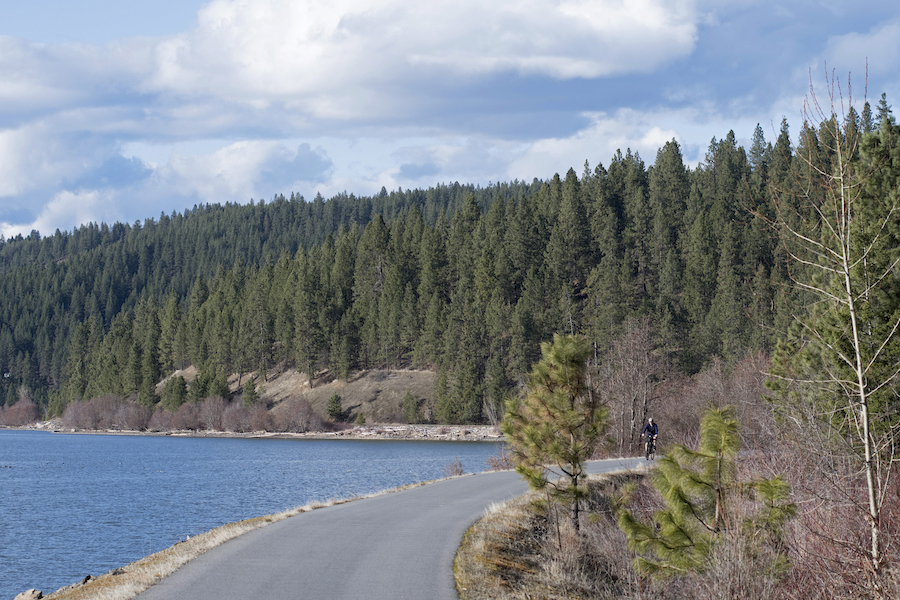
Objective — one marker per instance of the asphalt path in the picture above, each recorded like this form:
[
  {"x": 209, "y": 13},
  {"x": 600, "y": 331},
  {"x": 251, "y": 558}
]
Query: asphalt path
[{"x": 398, "y": 545}]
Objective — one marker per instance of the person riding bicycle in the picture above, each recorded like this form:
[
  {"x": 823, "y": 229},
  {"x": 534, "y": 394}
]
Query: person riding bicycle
[{"x": 651, "y": 431}]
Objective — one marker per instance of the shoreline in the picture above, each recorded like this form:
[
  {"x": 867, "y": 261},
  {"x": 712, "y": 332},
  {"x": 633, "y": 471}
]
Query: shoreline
[
  {"x": 395, "y": 432},
  {"x": 128, "y": 581}
]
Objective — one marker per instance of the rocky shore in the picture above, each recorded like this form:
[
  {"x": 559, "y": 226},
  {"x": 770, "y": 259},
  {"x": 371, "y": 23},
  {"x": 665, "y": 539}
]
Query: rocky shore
[
  {"x": 457, "y": 433},
  {"x": 460, "y": 433}
]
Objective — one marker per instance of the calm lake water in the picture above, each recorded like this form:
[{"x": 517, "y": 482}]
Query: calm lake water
[{"x": 74, "y": 505}]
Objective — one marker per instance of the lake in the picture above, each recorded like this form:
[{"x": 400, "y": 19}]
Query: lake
[{"x": 78, "y": 504}]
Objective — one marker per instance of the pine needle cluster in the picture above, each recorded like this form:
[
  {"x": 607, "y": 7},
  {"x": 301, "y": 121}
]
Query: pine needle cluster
[{"x": 707, "y": 505}]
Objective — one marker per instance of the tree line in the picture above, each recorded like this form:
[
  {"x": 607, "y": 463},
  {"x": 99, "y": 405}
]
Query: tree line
[{"x": 464, "y": 280}]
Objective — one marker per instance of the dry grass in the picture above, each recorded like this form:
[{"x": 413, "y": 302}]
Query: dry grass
[
  {"x": 127, "y": 582},
  {"x": 526, "y": 549},
  {"x": 376, "y": 393}
]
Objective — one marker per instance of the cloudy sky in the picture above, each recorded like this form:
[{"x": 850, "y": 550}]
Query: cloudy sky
[{"x": 117, "y": 111}]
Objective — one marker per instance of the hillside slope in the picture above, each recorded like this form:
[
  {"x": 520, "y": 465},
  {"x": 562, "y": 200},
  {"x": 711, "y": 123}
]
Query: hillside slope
[{"x": 377, "y": 394}]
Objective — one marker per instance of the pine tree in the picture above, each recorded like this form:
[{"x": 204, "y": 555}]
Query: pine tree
[
  {"x": 174, "y": 393},
  {"x": 428, "y": 350},
  {"x": 867, "y": 121},
  {"x": 334, "y": 409},
  {"x": 883, "y": 112},
  {"x": 568, "y": 253},
  {"x": 555, "y": 426},
  {"x": 170, "y": 322},
  {"x": 249, "y": 393},
  {"x": 669, "y": 190},
  {"x": 309, "y": 338},
  {"x": 726, "y": 314},
  {"x": 702, "y": 495},
  {"x": 410, "y": 405},
  {"x": 637, "y": 219}
]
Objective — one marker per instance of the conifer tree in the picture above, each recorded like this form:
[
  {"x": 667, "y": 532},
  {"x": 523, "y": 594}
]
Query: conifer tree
[
  {"x": 726, "y": 314},
  {"x": 702, "y": 496},
  {"x": 557, "y": 424},
  {"x": 334, "y": 409},
  {"x": 883, "y": 112},
  {"x": 411, "y": 408},
  {"x": 219, "y": 385},
  {"x": 174, "y": 393},
  {"x": 669, "y": 189},
  {"x": 249, "y": 393},
  {"x": 568, "y": 253},
  {"x": 308, "y": 334}
]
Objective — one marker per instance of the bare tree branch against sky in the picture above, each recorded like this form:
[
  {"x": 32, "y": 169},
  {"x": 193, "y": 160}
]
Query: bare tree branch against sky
[{"x": 119, "y": 111}]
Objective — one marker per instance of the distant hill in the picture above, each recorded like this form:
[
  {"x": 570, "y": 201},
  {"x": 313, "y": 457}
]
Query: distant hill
[{"x": 462, "y": 281}]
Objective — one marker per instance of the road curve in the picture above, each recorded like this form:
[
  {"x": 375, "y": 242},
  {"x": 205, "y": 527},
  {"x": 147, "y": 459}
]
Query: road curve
[{"x": 399, "y": 545}]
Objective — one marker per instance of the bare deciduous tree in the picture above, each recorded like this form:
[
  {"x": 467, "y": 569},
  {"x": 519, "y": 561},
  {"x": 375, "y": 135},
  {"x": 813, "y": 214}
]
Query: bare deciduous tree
[
  {"x": 211, "y": 411},
  {"x": 837, "y": 374},
  {"x": 631, "y": 375}
]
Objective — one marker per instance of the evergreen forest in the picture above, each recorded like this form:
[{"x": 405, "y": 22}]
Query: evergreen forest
[{"x": 463, "y": 280}]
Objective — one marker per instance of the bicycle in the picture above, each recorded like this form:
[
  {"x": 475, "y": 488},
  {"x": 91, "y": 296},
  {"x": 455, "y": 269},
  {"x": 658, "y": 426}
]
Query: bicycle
[{"x": 650, "y": 448}]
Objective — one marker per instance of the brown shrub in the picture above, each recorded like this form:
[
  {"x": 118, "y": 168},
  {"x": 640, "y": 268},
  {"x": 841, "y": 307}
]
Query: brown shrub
[
  {"x": 296, "y": 415},
  {"x": 237, "y": 418},
  {"x": 211, "y": 411},
  {"x": 830, "y": 538},
  {"x": 79, "y": 415},
  {"x": 104, "y": 409},
  {"x": 108, "y": 412},
  {"x": 502, "y": 461},
  {"x": 454, "y": 468},
  {"x": 162, "y": 420},
  {"x": 261, "y": 420},
  {"x": 84, "y": 415},
  {"x": 187, "y": 417},
  {"x": 527, "y": 549},
  {"x": 23, "y": 412},
  {"x": 131, "y": 416},
  {"x": 683, "y": 399}
]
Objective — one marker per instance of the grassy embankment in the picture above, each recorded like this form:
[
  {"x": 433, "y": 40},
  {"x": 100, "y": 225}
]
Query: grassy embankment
[{"x": 525, "y": 548}]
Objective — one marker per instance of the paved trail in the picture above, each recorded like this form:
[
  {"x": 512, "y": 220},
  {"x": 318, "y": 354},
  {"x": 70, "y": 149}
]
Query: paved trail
[{"x": 400, "y": 545}]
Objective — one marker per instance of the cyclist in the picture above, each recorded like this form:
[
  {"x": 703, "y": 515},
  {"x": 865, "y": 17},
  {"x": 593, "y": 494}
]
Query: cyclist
[{"x": 651, "y": 431}]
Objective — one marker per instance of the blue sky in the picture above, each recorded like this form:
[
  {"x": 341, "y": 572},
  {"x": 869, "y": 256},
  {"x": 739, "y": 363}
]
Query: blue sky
[{"x": 117, "y": 111}]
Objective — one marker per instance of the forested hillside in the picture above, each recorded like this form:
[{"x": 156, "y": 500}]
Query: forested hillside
[{"x": 460, "y": 279}]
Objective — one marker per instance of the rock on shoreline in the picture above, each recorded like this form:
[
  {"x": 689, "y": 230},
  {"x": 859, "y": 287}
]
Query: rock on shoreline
[{"x": 460, "y": 433}]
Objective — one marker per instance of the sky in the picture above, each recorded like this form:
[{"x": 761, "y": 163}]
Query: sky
[{"x": 116, "y": 110}]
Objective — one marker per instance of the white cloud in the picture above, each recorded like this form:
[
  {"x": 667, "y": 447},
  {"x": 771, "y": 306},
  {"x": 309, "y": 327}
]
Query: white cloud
[
  {"x": 68, "y": 208},
  {"x": 41, "y": 77},
  {"x": 270, "y": 96},
  {"x": 598, "y": 142},
  {"x": 339, "y": 59},
  {"x": 34, "y": 157},
  {"x": 879, "y": 48},
  {"x": 243, "y": 170}
]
